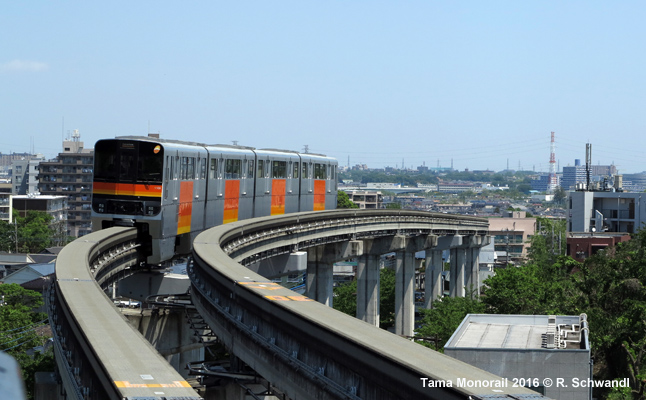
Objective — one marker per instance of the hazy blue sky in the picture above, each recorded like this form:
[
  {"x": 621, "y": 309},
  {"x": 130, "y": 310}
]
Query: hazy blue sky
[{"x": 482, "y": 83}]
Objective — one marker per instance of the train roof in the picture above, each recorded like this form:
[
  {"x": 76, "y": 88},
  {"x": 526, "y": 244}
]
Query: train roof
[{"x": 223, "y": 146}]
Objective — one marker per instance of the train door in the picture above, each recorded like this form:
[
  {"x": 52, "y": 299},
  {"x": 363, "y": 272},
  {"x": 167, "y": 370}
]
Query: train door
[
  {"x": 279, "y": 171},
  {"x": 214, "y": 211},
  {"x": 245, "y": 204},
  {"x": 320, "y": 185},
  {"x": 331, "y": 186},
  {"x": 232, "y": 163},
  {"x": 292, "y": 184},
  {"x": 306, "y": 184},
  {"x": 262, "y": 204},
  {"x": 170, "y": 208},
  {"x": 199, "y": 192}
]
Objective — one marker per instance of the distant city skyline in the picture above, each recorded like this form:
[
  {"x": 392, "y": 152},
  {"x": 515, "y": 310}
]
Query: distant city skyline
[{"x": 479, "y": 83}]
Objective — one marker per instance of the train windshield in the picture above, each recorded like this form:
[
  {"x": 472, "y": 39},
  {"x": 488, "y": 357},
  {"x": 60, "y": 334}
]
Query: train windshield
[{"x": 128, "y": 161}]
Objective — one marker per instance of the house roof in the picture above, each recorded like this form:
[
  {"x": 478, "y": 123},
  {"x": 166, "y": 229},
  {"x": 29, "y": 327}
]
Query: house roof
[
  {"x": 15, "y": 258},
  {"x": 39, "y": 284},
  {"x": 43, "y": 258}
]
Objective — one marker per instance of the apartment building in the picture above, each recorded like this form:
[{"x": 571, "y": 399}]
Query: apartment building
[
  {"x": 5, "y": 203},
  {"x": 512, "y": 234},
  {"x": 24, "y": 175},
  {"x": 366, "y": 198},
  {"x": 70, "y": 174}
]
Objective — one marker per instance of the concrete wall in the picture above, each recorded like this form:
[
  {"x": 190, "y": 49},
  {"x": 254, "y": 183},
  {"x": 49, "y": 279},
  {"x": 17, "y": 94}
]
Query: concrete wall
[
  {"x": 541, "y": 364},
  {"x": 171, "y": 335}
]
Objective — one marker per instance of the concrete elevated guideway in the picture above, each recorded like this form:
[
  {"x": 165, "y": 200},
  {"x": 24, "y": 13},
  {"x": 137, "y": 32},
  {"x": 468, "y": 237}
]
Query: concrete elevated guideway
[
  {"x": 100, "y": 355},
  {"x": 309, "y": 350}
]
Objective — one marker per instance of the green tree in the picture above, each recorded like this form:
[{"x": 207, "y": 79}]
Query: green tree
[
  {"x": 34, "y": 231},
  {"x": 19, "y": 326},
  {"x": 548, "y": 243},
  {"x": 7, "y": 237},
  {"x": 439, "y": 322},
  {"x": 560, "y": 195},
  {"x": 612, "y": 285},
  {"x": 343, "y": 200},
  {"x": 532, "y": 289},
  {"x": 345, "y": 298}
]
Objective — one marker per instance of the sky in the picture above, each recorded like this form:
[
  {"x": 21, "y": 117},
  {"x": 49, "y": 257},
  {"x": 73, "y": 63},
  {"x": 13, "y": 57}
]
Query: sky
[{"x": 469, "y": 84}]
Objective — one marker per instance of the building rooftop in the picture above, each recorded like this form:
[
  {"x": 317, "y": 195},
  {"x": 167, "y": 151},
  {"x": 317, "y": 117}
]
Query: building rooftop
[{"x": 524, "y": 332}]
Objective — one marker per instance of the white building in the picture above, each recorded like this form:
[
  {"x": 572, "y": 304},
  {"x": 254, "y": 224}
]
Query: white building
[
  {"x": 606, "y": 211},
  {"x": 537, "y": 351}
]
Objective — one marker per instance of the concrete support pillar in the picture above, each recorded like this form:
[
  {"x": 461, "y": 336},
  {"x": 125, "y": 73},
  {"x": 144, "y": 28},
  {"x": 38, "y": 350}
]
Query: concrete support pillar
[
  {"x": 405, "y": 293},
  {"x": 433, "y": 280},
  {"x": 320, "y": 271},
  {"x": 473, "y": 272},
  {"x": 320, "y": 277},
  {"x": 368, "y": 288},
  {"x": 458, "y": 264}
]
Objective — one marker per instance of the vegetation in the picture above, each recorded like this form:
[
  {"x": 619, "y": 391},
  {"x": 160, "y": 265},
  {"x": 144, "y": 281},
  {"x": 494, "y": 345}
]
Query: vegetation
[
  {"x": 345, "y": 298},
  {"x": 29, "y": 234},
  {"x": 610, "y": 287},
  {"x": 19, "y": 331},
  {"x": 439, "y": 323},
  {"x": 343, "y": 200}
]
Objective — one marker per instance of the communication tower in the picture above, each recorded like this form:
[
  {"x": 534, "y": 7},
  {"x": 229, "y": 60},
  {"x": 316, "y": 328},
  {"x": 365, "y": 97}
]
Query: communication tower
[{"x": 552, "y": 183}]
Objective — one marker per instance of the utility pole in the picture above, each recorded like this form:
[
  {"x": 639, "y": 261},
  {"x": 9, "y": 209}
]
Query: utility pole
[{"x": 15, "y": 223}]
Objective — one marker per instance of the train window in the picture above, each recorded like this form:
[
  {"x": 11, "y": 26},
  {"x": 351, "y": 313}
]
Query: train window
[
  {"x": 127, "y": 167},
  {"x": 295, "y": 172},
  {"x": 213, "y": 171},
  {"x": 319, "y": 171},
  {"x": 250, "y": 169},
  {"x": 279, "y": 169},
  {"x": 232, "y": 169},
  {"x": 167, "y": 177},
  {"x": 182, "y": 168},
  {"x": 304, "y": 171},
  {"x": 191, "y": 168},
  {"x": 203, "y": 168},
  {"x": 261, "y": 168}
]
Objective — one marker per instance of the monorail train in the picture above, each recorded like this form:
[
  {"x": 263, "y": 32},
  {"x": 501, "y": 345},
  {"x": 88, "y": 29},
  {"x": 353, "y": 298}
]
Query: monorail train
[{"x": 172, "y": 190}]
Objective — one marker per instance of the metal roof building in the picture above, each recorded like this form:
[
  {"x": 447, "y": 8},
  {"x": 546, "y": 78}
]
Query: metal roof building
[{"x": 550, "y": 354}]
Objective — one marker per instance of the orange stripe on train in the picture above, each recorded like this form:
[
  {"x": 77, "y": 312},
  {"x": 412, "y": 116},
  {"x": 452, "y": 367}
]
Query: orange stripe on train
[
  {"x": 319, "y": 195},
  {"x": 185, "y": 207},
  {"x": 126, "y": 189},
  {"x": 278, "y": 196},
  {"x": 231, "y": 201}
]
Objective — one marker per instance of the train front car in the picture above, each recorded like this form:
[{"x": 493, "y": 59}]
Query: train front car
[
  {"x": 127, "y": 187},
  {"x": 154, "y": 185}
]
